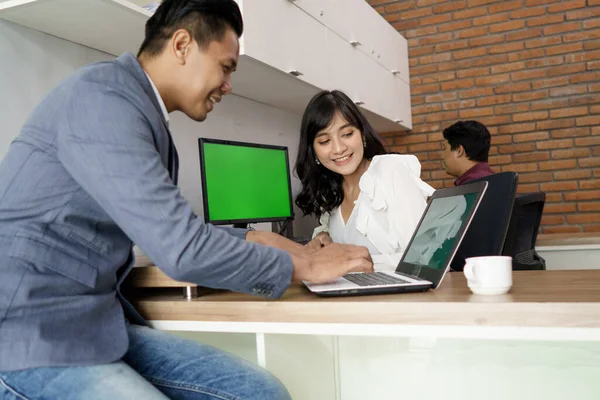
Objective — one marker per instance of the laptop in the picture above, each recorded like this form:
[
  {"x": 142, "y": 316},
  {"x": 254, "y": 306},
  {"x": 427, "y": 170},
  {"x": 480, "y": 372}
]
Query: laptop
[{"x": 429, "y": 253}]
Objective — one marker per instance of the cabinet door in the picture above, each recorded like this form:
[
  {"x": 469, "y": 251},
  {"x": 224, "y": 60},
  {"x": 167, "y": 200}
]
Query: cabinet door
[
  {"x": 393, "y": 98},
  {"x": 365, "y": 81},
  {"x": 281, "y": 35},
  {"x": 340, "y": 16},
  {"x": 401, "y": 111},
  {"x": 389, "y": 49},
  {"x": 343, "y": 69},
  {"x": 370, "y": 78},
  {"x": 379, "y": 39},
  {"x": 357, "y": 22}
]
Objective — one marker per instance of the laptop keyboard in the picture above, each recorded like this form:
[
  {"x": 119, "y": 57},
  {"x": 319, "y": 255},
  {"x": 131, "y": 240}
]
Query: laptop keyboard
[{"x": 374, "y": 279}]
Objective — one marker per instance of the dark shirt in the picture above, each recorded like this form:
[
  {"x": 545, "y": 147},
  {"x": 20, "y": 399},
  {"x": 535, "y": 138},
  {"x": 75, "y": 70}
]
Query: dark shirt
[{"x": 477, "y": 171}]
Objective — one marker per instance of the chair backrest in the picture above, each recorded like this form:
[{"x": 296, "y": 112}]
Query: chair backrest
[
  {"x": 487, "y": 231},
  {"x": 524, "y": 223}
]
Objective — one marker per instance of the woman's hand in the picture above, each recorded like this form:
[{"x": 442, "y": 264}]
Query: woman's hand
[{"x": 319, "y": 241}]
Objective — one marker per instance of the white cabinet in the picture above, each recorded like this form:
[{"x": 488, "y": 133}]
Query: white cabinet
[
  {"x": 111, "y": 26},
  {"x": 401, "y": 112},
  {"x": 282, "y": 36},
  {"x": 368, "y": 83},
  {"x": 289, "y": 51},
  {"x": 344, "y": 65},
  {"x": 355, "y": 21},
  {"x": 339, "y": 16},
  {"x": 394, "y": 50},
  {"x": 333, "y": 44}
]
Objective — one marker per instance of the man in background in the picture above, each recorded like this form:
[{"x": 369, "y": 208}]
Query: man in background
[{"x": 466, "y": 148}]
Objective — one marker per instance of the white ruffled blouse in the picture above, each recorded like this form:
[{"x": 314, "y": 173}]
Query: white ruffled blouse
[{"x": 390, "y": 204}]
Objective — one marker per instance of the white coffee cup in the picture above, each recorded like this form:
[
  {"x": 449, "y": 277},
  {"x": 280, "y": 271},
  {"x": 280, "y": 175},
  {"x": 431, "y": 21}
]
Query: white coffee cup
[{"x": 489, "y": 274}]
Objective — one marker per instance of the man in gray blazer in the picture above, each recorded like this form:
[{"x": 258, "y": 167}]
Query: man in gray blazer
[{"x": 93, "y": 170}]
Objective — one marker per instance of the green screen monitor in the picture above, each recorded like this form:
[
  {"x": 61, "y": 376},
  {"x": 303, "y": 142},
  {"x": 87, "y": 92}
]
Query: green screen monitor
[{"x": 244, "y": 183}]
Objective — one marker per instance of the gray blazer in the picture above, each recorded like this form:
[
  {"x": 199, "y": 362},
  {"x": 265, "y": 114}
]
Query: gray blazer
[{"x": 92, "y": 171}]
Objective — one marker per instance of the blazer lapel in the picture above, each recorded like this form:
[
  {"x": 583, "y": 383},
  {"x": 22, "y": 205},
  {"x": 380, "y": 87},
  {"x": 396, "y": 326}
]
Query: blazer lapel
[
  {"x": 173, "y": 159},
  {"x": 130, "y": 62}
]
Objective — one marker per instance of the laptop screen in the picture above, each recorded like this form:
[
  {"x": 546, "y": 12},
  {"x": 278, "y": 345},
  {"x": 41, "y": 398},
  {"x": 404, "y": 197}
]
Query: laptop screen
[
  {"x": 440, "y": 231},
  {"x": 436, "y": 236}
]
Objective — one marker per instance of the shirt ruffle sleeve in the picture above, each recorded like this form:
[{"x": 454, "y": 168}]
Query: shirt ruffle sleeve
[
  {"x": 324, "y": 225},
  {"x": 392, "y": 200}
]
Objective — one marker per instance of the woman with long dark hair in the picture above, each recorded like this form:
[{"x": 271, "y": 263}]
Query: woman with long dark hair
[{"x": 362, "y": 194}]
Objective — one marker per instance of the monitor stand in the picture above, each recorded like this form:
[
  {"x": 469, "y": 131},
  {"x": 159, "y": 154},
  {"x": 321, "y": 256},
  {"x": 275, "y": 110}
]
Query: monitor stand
[
  {"x": 241, "y": 225},
  {"x": 283, "y": 229}
]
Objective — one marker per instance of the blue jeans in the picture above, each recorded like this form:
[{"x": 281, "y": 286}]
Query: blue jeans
[{"x": 157, "y": 366}]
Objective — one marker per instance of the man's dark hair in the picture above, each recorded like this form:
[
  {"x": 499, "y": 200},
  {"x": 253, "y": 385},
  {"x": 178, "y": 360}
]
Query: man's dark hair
[
  {"x": 473, "y": 136},
  {"x": 206, "y": 20}
]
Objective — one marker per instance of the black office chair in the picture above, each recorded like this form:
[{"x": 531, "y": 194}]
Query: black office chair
[
  {"x": 523, "y": 230},
  {"x": 487, "y": 232}
]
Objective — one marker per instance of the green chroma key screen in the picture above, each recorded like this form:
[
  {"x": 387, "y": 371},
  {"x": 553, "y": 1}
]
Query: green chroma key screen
[{"x": 244, "y": 182}]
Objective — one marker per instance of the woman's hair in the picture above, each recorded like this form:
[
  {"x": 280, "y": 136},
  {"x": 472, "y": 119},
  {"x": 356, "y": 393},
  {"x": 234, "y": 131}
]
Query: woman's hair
[{"x": 321, "y": 188}]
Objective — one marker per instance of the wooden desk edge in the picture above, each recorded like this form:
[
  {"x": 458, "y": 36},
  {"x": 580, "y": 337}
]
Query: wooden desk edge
[{"x": 562, "y": 299}]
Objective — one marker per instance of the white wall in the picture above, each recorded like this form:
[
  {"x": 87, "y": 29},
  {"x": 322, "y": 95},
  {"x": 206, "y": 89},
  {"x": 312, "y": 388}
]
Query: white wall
[
  {"x": 240, "y": 119},
  {"x": 233, "y": 118},
  {"x": 32, "y": 63}
]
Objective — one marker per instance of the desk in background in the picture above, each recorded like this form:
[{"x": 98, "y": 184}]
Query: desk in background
[
  {"x": 570, "y": 251},
  {"x": 542, "y": 340}
]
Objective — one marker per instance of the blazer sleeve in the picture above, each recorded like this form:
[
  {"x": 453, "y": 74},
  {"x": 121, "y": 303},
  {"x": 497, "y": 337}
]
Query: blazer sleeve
[
  {"x": 108, "y": 148},
  {"x": 237, "y": 232}
]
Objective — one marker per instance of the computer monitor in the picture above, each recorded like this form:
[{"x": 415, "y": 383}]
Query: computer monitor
[{"x": 244, "y": 183}]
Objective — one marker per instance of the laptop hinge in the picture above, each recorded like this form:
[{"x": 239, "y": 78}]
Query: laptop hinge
[{"x": 416, "y": 278}]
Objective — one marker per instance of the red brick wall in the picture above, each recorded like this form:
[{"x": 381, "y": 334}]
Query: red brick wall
[{"x": 530, "y": 71}]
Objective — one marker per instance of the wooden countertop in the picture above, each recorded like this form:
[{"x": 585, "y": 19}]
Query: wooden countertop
[{"x": 552, "y": 299}]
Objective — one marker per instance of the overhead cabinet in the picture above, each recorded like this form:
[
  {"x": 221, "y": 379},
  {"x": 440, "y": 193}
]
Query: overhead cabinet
[{"x": 289, "y": 51}]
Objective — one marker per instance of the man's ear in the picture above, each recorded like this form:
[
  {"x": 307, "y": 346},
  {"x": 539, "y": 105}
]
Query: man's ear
[
  {"x": 460, "y": 151},
  {"x": 180, "y": 43}
]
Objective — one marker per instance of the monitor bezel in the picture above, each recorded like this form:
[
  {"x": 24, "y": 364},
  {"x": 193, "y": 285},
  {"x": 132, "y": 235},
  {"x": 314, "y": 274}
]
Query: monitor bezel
[
  {"x": 201, "y": 142},
  {"x": 436, "y": 275}
]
